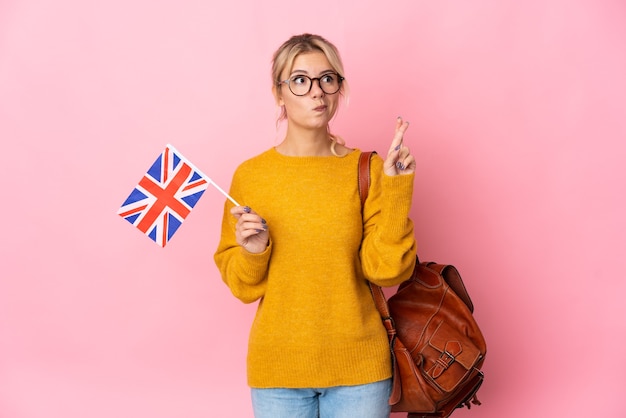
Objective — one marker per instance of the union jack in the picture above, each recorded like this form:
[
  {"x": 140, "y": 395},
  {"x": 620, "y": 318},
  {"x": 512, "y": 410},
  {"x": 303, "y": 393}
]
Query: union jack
[{"x": 164, "y": 197}]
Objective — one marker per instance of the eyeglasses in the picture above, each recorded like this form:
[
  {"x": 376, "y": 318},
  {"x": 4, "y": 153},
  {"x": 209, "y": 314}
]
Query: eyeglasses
[{"x": 300, "y": 85}]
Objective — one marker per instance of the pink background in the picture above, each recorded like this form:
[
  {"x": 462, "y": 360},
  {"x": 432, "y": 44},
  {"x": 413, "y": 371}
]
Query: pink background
[{"x": 518, "y": 124}]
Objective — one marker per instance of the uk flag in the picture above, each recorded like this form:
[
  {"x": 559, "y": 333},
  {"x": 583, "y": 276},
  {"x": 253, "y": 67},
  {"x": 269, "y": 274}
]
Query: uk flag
[{"x": 164, "y": 197}]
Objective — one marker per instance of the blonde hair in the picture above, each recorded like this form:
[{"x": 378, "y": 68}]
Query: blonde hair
[{"x": 286, "y": 54}]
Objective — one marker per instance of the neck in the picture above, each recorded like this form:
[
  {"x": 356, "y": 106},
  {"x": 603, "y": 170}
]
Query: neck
[{"x": 305, "y": 143}]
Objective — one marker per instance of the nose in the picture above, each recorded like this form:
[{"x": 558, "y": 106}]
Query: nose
[{"x": 316, "y": 88}]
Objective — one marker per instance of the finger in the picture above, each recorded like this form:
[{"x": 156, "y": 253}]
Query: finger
[
  {"x": 401, "y": 124},
  {"x": 247, "y": 233},
  {"x": 257, "y": 224},
  {"x": 241, "y": 210},
  {"x": 245, "y": 214},
  {"x": 248, "y": 220},
  {"x": 406, "y": 164},
  {"x": 403, "y": 152},
  {"x": 396, "y": 142}
]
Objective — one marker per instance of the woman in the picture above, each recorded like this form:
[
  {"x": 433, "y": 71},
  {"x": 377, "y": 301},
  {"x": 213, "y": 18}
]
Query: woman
[{"x": 302, "y": 246}]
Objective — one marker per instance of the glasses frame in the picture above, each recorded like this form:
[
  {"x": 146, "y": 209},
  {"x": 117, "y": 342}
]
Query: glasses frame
[{"x": 319, "y": 83}]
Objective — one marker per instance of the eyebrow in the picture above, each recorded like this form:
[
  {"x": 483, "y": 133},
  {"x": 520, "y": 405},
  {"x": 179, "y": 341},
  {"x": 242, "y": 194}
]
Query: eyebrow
[{"x": 293, "y": 72}]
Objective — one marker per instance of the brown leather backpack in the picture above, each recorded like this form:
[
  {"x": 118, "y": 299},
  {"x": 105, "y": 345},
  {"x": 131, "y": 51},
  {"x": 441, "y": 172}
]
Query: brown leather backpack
[{"x": 437, "y": 347}]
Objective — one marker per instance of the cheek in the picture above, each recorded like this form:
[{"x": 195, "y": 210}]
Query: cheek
[
  {"x": 334, "y": 105},
  {"x": 293, "y": 104}
]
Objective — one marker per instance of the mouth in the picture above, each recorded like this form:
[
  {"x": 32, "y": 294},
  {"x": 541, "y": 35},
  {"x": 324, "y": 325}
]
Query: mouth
[{"x": 321, "y": 108}]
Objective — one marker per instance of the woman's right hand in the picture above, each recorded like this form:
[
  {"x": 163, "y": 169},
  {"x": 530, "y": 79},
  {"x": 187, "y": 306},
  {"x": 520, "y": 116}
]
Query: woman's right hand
[
  {"x": 251, "y": 230},
  {"x": 399, "y": 160}
]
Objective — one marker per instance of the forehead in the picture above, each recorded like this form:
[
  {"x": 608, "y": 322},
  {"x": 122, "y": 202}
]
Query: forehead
[{"x": 311, "y": 63}]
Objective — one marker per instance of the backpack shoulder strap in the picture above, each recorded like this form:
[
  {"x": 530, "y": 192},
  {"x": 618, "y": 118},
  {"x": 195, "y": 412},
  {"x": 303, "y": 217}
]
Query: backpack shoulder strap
[
  {"x": 364, "y": 175},
  {"x": 364, "y": 185}
]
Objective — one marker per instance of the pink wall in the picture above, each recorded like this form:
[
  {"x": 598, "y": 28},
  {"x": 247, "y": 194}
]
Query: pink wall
[{"x": 518, "y": 124}]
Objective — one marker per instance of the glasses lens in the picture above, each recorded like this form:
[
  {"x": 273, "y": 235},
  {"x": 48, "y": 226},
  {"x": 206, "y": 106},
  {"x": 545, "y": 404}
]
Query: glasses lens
[
  {"x": 300, "y": 85},
  {"x": 330, "y": 83}
]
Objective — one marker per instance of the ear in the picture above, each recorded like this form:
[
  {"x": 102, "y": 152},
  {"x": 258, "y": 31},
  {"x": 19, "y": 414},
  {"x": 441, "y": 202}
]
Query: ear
[{"x": 277, "y": 96}]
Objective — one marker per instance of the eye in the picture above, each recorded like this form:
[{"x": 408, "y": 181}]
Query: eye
[
  {"x": 299, "y": 79},
  {"x": 328, "y": 78}
]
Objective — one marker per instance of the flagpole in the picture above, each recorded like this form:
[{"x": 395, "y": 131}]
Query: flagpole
[
  {"x": 224, "y": 193},
  {"x": 170, "y": 146}
]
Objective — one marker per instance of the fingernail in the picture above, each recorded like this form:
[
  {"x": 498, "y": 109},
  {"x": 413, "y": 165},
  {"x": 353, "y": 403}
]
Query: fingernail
[
  {"x": 397, "y": 147},
  {"x": 263, "y": 221},
  {"x": 399, "y": 117},
  {"x": 265, "y": 227},
  {"x": 259, "y": 230},
  {"x": 400, "y": 165},
  {"x": 247, "y": 209}
]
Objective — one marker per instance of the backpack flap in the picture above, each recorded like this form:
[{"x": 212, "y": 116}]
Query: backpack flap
[{"x": 449, "y": 357}]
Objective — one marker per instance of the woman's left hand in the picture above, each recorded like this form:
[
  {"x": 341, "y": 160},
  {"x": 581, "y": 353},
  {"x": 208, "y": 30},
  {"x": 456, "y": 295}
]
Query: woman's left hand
[{"x": 399, "y": 160}]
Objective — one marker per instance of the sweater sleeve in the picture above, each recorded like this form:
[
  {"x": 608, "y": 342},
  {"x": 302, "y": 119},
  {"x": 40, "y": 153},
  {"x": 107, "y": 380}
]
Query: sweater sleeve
[
  {"x": 388, "y": 251},
  {"x": 243, "y": 272}
]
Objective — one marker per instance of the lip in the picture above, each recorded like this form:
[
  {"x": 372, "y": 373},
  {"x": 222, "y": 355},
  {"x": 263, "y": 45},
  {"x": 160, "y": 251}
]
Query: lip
[{"x": 321, "y": 108}]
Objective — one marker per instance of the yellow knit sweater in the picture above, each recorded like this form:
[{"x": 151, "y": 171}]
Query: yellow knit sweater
[{"x": 316, "y": 323}]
